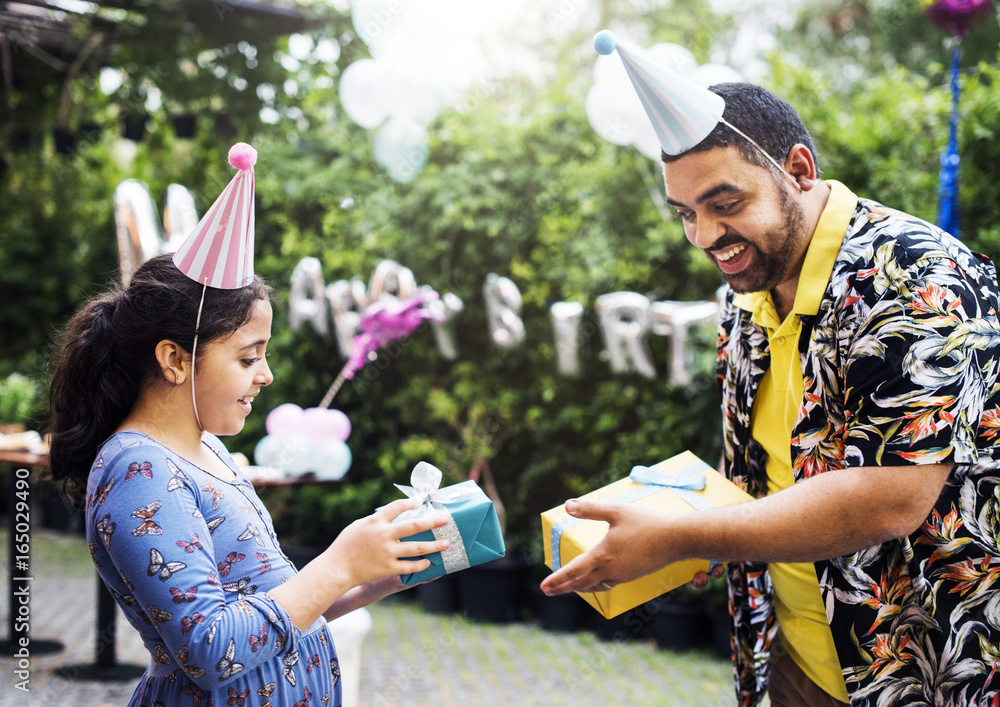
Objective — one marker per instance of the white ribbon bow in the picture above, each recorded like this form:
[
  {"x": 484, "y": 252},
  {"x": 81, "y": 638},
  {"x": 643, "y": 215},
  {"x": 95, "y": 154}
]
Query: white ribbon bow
[{"x": 426, "y": 480}]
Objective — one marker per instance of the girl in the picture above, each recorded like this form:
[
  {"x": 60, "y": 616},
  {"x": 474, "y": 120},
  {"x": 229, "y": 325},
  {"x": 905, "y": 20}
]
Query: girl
[{"x": 178, "y": 534}]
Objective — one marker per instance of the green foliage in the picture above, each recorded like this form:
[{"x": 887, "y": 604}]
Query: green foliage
[
  {"x": 20, "y": 397},
  {"x": 517, "y": 184}
]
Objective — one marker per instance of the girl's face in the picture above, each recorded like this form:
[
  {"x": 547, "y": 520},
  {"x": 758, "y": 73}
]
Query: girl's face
[{"x": 231, "y": 372}]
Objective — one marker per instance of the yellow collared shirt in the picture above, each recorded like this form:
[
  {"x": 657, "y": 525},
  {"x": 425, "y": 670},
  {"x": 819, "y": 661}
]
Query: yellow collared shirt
[{"x": 802, "y": 619}]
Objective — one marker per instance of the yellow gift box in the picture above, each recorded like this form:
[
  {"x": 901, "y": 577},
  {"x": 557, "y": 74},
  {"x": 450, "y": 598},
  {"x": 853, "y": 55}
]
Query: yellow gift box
[{"x": 570, "y": 537}]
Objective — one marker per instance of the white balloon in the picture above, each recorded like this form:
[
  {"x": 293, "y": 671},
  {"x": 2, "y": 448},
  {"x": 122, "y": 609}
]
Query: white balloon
[
  {"x": 711, "y": 74},
  {"x": 331, "y": 460},
  {"x": 673, "y": 56},
  {"x": 609, "y": 118},
  {"x": 566, "y": 318},
  {"x": 362, "y": 90},
  {"x": 401, "y": 148},
  {"x": 446, "y": 310}
]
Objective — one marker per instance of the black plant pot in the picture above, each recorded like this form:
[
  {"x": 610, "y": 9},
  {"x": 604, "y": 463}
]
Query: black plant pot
[
  {"x": 134, "y": 127},
  {"x": 720, "y": 630},
  {"x": 65, "y": 141},
  {"x": 184, "y": 126},
  {"x": 679, "y": 627},
  {"x": 563, "y": 612},
  {"x": 440, "y": 596},
  {"x": 493, "y": 591}
]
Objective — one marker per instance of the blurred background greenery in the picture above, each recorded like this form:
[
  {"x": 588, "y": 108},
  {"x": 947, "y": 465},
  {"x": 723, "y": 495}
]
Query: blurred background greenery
[{"x": 517, "y": 183}]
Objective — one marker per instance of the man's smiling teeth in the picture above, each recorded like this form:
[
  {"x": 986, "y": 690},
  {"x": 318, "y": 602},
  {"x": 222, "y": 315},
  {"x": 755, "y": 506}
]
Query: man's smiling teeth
[{"x": 725, "y": 255}]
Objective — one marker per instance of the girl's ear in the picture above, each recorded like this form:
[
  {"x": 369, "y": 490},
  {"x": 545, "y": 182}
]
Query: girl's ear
[{"x": 173, "y": 361}]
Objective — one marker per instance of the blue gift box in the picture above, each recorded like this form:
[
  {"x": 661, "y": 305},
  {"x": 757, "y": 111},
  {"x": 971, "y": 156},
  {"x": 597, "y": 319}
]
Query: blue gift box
[{"x": 474, "y": 531}]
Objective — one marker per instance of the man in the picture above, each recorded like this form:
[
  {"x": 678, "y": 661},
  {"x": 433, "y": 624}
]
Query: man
[{"x": 858, "y": 362}]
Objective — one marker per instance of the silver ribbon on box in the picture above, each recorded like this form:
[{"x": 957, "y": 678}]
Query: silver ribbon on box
[{"x": 426, "y": 480}]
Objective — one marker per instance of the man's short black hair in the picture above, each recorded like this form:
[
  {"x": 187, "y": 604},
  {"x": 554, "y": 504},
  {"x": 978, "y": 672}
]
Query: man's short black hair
[{"x": 770, "y": 121}]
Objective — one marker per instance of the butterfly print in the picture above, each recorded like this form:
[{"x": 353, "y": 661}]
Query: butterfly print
[
  {"x": 101, "y": 494},
  {"x": 125, "y": 580},
  {"x": 145, "y": 513},
  {"x": 335, "y": 669},
  {"x": 196, "y": 695},
  {"x": 213, "y": 524},
  {"x": 212, "y": 628},
  {"x": 304, "y": 702},
  {"x": 265, "y": 564},
  {"x": 126, "y": 599},
  {"x": 177, "y": 477},
  {"x": 146, "y": 469},
  {"x": 162, "y": 656},
  {"x": 180, "y": 597},
  {"x": 216, "y": 495},
  {"x": 188, "y": 622},
  {"x": 142, "y": 615},
  {"x": 226, "y": 565},
  {"x": 325, "y": 699},
  {"x": 266, "y": 691},
  {"x": 322, "y": 636},
  {"x": 158, "y": 566},
  {"x": 289, "y": 660},
  {"x": 213, "y": 578},
  {"x": 251, "y": 532},
  {"x": 226, "y": 665},
  {"x": 106, "y": 528},
  {"x": 182, "y": 655},
  {"x": 259, "y": 641},
  {"x": 312, "y": 663},
  {"x": 159, "y": 615},
  {"x": 240, "y": 587},
  {"x": 238, "y": 698},
  {"x": 195, "y": 544},
  {"x": 194, "y": 672}
]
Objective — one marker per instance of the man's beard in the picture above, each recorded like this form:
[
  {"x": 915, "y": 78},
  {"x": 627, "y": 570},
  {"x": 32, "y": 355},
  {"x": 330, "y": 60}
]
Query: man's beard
[{"x": 769, "y": 268}]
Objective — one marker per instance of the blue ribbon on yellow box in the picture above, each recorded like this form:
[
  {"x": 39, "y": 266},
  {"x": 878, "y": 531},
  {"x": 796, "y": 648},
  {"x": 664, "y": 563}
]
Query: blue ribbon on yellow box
[
  {"x": 679, "y": 484},
  {"x": 473, "y": 528},
  {"x": 683, "y": 482}
]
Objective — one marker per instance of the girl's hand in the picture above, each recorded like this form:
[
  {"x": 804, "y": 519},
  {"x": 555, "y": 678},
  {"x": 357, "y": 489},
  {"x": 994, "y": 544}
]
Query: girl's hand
[{"x": 370, "y": 548}]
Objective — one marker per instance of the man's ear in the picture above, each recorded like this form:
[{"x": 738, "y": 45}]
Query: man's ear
[
  {"x": 173, "y": 361},
  {"x": 801, "y": 165}
]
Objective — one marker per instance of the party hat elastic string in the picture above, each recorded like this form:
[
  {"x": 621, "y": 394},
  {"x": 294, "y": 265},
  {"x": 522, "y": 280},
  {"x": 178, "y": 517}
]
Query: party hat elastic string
[
  {"x": 194, "y": 354},
  {"x": 762, "y": 151}
]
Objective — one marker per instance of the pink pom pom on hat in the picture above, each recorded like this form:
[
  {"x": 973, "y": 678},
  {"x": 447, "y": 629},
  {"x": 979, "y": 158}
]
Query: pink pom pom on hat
[{"x": 219, "y": 252}]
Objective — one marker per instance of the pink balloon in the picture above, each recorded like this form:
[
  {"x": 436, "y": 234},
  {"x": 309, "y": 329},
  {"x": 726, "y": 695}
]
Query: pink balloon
[
  {"x": 322, "y": 425},
  {"x": 956, "y": 16},
  {"x": 284, "y": 419}
]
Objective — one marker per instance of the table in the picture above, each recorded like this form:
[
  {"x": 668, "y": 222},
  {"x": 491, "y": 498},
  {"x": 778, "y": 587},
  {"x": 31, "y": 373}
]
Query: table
[{"x": 19, "y": 642}]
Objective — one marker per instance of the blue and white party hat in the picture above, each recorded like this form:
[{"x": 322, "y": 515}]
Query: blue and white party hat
[{"x": 682, "y": 112}]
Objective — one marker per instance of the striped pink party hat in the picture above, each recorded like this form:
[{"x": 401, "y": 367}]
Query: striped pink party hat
[{"x": 219, "y": 252}]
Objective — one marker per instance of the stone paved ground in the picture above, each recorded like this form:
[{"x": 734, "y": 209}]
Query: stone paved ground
[{"x": 410, "y": 658}]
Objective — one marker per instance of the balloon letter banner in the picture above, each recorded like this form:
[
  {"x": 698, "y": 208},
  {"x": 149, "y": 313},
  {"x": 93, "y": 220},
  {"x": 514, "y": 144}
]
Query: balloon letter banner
[
  {"x": 625, "y": 321},
  {"x": 307, "y": 299},
  {"x": 346, "y": 299},
  {"x": 446, "y": 311},
  {"x": 566, "y": 318},
  {"x": 503, "y": 311},
  {"x": 673, "y": 319}
]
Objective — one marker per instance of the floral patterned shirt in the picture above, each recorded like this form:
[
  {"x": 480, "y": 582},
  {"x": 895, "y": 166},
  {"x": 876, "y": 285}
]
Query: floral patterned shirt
[{"x": 900, "y": 367}]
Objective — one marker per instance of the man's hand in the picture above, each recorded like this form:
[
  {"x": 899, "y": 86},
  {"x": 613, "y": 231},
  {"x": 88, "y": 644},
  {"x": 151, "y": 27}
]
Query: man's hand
[{"x": 632, "y": 548}]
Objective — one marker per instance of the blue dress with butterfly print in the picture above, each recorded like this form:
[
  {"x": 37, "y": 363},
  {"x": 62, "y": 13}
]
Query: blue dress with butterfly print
[{"x": 190, "y": 558}]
